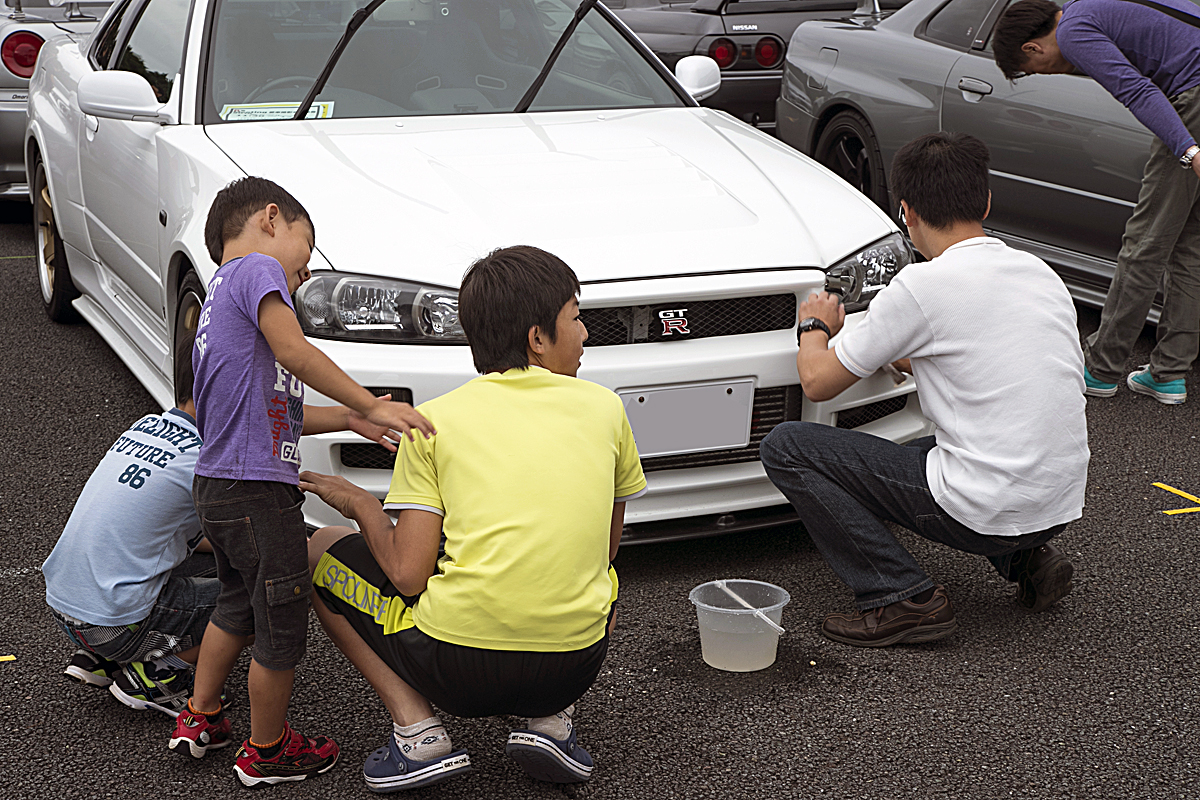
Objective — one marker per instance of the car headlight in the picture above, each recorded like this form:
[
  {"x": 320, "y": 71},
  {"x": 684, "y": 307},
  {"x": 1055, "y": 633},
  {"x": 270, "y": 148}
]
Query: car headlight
[
  {"x": 859, "y": 277},
  {"x": 365, "y": 308}
]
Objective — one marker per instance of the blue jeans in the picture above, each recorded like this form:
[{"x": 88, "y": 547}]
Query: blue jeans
[
  {"x": 176, "y": 623},
  {"x": 845, "y": 484}
]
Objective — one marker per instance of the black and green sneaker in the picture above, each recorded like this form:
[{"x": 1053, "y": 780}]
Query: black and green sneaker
[
  {"x": 89, "y": 668},
  {"x": 142, "y": 686}
]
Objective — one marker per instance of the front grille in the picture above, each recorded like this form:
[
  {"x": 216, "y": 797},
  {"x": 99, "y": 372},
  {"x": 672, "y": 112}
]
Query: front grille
[
  {"x": 704, "y": 319},
  {"x": 771, "y": 407},
  {"x": 375, "y": 456},
  {"x": 398, "y": 395},
  {"x": 367, "y": 456},
  {"x": 856, "y": 417}
]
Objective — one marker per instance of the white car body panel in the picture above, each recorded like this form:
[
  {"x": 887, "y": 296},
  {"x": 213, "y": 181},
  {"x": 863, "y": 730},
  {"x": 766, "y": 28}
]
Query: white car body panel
[
  {"x": 647, "y": 206},
  {"x": 609, "y": 193}
]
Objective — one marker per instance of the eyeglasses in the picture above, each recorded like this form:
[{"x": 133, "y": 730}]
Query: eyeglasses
[{"x": 903, "y": 221}]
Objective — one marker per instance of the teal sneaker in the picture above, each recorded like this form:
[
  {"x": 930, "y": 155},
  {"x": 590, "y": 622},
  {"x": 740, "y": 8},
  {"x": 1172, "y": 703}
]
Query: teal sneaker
[
  {"x": 1171, "y": 393},
  {"x": 1096, "y": 388}
]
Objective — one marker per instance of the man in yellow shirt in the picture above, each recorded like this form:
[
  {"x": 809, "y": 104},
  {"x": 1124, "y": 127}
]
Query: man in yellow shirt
[{"x": 527, "y": 477}]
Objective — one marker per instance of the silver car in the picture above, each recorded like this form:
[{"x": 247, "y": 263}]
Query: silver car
[
  {"x": 1067, "y": 158},
  {"x": 24, "y": 28}
]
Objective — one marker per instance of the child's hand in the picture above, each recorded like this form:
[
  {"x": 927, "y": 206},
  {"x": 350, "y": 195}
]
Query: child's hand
[
  {"x": 400, "y": 417},
  {"x": 339, "y": 493},
  {"x": 380, "y": 434}
]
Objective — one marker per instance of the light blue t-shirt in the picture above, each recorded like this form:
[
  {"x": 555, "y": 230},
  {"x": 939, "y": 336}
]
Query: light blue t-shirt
[{"x": 134, "y": 522}]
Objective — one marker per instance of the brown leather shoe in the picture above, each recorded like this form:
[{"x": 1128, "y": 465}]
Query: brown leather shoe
[
  {"x": 1044, "y": 578},
  {"x": 904, "y": 622}
]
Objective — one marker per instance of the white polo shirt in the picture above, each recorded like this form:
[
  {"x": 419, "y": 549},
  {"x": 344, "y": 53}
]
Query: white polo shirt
[{"x": 995, "y": 351}]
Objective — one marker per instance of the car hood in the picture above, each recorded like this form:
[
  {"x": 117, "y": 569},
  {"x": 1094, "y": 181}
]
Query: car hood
[{"x": 616, "y": 194}]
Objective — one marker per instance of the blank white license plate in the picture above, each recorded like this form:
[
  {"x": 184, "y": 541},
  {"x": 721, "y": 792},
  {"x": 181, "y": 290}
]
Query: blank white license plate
[{"x": 690, "y": 418}]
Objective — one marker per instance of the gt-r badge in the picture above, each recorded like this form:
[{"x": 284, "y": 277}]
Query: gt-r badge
[
  {"x": 674, "y": 321},
  {"x": 736, "y": 28}
]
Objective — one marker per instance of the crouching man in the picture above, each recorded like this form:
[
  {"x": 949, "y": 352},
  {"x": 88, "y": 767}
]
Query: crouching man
[
  {"x": 527, "y": 477},
  {"x": 989, "y": 333}
]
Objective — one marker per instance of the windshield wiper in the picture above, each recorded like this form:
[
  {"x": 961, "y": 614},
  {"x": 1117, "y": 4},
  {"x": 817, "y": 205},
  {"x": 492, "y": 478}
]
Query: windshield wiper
[
  {"x": 352, "y": 27},
  {"x": 531, "y": 92}
]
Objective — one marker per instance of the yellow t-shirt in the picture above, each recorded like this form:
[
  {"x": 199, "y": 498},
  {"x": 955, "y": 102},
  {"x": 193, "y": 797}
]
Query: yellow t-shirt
[{"x": 525, "y": 468}]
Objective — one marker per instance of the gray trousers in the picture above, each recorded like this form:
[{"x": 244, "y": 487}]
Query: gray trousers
[{"x": 1163, "y": 235}]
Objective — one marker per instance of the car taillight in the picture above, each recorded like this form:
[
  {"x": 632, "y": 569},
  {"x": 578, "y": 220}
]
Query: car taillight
[
  {"x": 20, "y": 51},
  {"x": 767, "y": 52},
  {"x": 724, "y": 52}
]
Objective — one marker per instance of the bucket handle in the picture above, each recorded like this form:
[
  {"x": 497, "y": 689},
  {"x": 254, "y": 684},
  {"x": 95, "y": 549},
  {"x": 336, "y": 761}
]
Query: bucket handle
[{"x": 757, "y": 611}]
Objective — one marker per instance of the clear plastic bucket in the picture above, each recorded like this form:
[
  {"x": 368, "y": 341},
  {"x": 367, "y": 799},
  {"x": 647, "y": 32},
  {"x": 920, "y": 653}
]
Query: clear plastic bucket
[{"x": 733, "y": 637}]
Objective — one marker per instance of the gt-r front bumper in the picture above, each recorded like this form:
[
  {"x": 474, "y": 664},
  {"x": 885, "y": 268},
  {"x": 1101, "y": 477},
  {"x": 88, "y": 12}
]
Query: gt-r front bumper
[{"x": 679, "y": 503}]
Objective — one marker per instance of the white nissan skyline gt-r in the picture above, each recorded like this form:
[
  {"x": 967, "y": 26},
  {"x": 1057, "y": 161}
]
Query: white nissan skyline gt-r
[{"x": 429, "y": 143}]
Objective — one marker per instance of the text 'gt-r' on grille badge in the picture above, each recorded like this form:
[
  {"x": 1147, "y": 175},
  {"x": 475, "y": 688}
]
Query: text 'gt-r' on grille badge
[{"x": 673, "y": 321}]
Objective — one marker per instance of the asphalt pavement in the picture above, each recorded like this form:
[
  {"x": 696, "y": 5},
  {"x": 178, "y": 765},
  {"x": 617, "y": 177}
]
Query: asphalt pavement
[{"x": 1096, "y": 698}]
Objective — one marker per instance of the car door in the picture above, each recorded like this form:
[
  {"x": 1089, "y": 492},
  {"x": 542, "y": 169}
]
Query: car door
[
  {"x": 1067, "y": 158},
  {"x": 118, "y": 162}
]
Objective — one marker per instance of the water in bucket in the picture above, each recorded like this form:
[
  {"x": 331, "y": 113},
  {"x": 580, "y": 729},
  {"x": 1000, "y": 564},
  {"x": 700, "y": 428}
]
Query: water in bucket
[{"x": 733, "y": 637}]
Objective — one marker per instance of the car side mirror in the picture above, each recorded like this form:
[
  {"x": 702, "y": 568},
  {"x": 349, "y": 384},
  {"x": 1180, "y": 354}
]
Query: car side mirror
[
  {"x": 700, "y": 75},
  {"x": 113, "y": 94}
]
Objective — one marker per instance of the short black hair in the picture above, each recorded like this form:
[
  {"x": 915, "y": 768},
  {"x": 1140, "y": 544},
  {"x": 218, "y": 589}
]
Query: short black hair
[
  {"x": 185, "y": 374},
  {"x": 241, "y": 200},
  {"x": 1021, "y": 22},
  {"x": 943, "y": 177},
  {"x": 506, "y": 293}
]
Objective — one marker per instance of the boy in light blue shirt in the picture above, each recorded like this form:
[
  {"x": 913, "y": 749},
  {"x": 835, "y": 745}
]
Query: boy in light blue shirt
[{"x": 109, "y": 580}]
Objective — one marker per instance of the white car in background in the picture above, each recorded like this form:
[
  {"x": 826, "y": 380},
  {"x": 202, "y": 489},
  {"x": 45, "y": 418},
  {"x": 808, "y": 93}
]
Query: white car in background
[{"x": 428, "y": 146}]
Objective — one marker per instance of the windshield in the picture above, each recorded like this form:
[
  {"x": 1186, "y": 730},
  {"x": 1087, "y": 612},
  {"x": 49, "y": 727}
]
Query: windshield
[{"x": 419, "y": 57}]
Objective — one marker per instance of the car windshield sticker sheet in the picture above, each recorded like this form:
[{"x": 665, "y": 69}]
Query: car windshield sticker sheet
[{"x": 249, "y": 112}]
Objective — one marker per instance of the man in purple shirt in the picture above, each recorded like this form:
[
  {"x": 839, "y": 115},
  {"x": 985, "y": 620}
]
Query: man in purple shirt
[{"x": 1146, "y": 53}]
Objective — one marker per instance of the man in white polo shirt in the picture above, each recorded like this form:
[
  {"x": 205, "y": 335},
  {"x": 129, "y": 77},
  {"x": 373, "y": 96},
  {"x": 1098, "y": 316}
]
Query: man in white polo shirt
[{"x": 989, "y": 333}]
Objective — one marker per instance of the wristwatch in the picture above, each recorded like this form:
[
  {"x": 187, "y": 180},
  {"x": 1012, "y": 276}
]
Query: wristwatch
[
  {"x": 811, "y": 324},
  {"x": 1192, "y": 152}
]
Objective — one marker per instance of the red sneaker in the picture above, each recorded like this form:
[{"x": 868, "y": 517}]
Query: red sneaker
[
  {"x": 199, "y": 734},
  {"x": 299, "y": 758}
]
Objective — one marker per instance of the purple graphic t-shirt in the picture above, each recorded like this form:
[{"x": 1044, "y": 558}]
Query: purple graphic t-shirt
[{"x": 249, "y": 409}]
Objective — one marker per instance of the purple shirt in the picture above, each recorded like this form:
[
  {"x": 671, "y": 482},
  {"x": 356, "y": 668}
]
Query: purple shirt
[
  {"x": 249, "y": 409},
  {"x": 1140, "y": 55}
]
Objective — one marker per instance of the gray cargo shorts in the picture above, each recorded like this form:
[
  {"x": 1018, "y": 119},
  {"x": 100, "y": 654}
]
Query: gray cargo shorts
[{"x": 261, "y": 547}]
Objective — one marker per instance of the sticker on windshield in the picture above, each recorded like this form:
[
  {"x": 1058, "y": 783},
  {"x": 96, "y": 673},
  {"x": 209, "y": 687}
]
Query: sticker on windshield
[{"x": 243, "y": 112}]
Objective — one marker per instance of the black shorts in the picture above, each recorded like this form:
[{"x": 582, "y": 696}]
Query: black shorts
[
  {"x": 260, "y": 545},
  {"x": 463, "y": 681}
]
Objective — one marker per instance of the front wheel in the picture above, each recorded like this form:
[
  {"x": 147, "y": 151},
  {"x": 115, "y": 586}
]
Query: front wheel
[
  {"x": 57, "y": 289},
  {"x": 187, "y": 317},
  {"x": 849, "y": 148}
]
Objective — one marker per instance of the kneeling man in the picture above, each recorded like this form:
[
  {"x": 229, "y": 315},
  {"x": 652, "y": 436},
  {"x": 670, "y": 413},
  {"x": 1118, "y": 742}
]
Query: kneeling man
[
  {"x": 527, "y": 477},
  {"x": 989, "y": 333}
]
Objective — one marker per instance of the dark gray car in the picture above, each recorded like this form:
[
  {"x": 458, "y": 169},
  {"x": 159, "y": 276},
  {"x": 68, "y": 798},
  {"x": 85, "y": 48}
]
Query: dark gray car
[
  {"x": 1067, "y": 158},
  {"x": 745, "y": 37}
]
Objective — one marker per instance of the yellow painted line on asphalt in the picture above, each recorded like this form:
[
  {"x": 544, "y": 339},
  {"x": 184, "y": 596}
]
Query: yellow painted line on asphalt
[
  {"x": 7, "y": 258},
  {"x": 1182, "y": 494},
  {"x": 8, "y": 658}
]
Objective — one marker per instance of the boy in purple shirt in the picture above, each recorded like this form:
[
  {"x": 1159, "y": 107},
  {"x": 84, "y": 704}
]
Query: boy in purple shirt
[
  {"x": 252, "y": 363},
  {"x": 1146, "y": 53}
]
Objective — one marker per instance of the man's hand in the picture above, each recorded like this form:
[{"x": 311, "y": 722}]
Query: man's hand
[
  {"x": 380, "y": 434},
  {"x": 903, "y": 365},
  {"x": 400, "y": 417},
  {"x": 1196, "y": 165},
  {"x": 342, "y": 495},
  {"x": 826, "y": 307}
]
